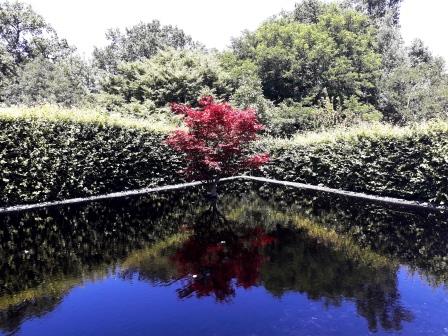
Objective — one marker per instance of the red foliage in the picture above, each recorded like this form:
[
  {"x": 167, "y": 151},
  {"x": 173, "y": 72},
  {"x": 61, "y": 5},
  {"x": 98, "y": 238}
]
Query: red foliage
[{"x": 216, "y": 140}]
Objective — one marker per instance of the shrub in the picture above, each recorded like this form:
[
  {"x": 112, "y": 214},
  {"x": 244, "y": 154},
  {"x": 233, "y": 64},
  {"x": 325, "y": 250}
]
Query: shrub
[
  {"x": 169, "y": 76},
  {"x": 410, "y": 162},
  {"x": 289, "y": 117},
  {"x": 50, "y": 154}
]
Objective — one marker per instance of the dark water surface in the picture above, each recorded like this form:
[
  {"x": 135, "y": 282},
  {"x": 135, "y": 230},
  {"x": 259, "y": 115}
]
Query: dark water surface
[{"x": 269, "y": 261}]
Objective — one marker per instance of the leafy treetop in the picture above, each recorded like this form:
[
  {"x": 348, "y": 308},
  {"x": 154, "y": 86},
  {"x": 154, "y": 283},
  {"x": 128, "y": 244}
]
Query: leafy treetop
[
  {"x": 25, "y": 35},
  {"x": 140, "y": 42},
  {"x": 216, "y": 140}
]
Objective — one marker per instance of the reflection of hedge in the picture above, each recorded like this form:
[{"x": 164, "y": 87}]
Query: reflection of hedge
[
  {"x": 413, "y": 237},
  {"x": 70, "y": 240},
  {"x": 50, "y": 154},
  {"x": 409, "y": 163},
  {"x": 45, "y": 253}
]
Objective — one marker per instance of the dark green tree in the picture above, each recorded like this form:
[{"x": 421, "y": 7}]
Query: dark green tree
[
  {"x": 337, "y": 55},
  {"x": 419, "y": 53},
  {"x": 415, "y": 93},
  {"x": 416, "y": 89},
  {"x": 7, "y": 69},
  {"x": 32, "y": 57},
  {"x": 25, "y": 35},
  {"x": 308, "y": 11},
  {"x": 377, "y": 9},
  {"x": 169, "y": 76},
  {"x": 390, "y": 43}
]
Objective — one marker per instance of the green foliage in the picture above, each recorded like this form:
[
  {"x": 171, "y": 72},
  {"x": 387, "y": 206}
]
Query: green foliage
[
  {"x": 415, "y": 90},
  {"x": 116, "y": 105},
  {"x": 410, "y": 163},
  {"x": 309, "y": 11},
  {"x": 66, "y": 82},
  {"x": 302, "y": 60},
  {"x": 55, "y": 154},
  {"x": 139, "y": 42},
  {"x": 249, "y": 94},
  {"x": 52, "y": 154},
  {"x": 289, "y": 117},
  {"x": 239, "y": 69},
  {"x": 7, "y": 69},
  {"x": 377, "y": 9},
  {"x": 419, "y": 53},
  {"x": 26, "y": 35},
  {"x": 7, "y": 65},
  {"x": 413, "y": 94},
  {"x": 390, "y": 43},
  {"x": 30, "y": 59},
  {"x": 170, "y": 76},
  {"x": 355, "y": 112}
]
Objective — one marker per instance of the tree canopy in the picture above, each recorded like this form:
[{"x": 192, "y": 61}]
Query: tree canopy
[
  {"x": 25, "y": 35},
  {"x": 139, "y": 42},
  {"x": 321, "y": 65},
  {"x": 169, "y": 76},
  {"x": 335, "y": 56},
  {"x": 216, "y": 141},
  {"x": 65, "y": 82},
  {"x": 377, "y": 9}
]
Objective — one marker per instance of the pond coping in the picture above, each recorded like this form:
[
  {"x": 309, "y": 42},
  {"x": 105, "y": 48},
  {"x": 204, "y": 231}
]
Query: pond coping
[
  {"x": 358, "y": 195},
  {"x": 353, "y": 194}
]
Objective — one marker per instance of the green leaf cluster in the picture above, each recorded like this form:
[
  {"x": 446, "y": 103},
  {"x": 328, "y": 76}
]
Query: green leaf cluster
[
  {"x": 51, "y": 155},
  {"x": 169, "y": 76},
  {"x": 334, "y": 57},
  {"x": 408, "y": 162}
]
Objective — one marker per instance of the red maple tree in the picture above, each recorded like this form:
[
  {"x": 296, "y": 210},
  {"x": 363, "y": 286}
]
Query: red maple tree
[{"x": 216, "y": 139}]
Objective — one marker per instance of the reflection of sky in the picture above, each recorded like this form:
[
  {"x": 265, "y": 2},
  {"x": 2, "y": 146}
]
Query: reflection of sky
[
  {"x": 131, "y": 307},
  {"x": 429, "y": 305}
]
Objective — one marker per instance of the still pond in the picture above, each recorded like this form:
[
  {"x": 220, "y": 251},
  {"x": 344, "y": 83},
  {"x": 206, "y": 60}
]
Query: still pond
[{"x": 267, "y": 261}]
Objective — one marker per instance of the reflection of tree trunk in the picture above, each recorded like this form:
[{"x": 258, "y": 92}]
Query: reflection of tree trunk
[
  {"x": 211, "y": 223},
  {"x": 212, "y": 191}
]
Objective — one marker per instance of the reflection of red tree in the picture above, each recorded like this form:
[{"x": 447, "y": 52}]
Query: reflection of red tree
[{"x": 217, "y": 268}]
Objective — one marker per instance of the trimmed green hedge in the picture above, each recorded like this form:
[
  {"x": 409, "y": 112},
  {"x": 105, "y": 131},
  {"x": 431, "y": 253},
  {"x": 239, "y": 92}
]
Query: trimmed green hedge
[
  {"x": 50, "y": 154},
  {"x": 410, "y": 163}
]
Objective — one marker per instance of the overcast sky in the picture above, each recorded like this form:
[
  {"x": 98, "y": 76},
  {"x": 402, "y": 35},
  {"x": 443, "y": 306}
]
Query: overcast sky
[{"x": 213, "y": 22}]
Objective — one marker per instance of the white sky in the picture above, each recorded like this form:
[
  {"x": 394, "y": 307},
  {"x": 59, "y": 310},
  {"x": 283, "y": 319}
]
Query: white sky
[{"x": 212, "y": 22}]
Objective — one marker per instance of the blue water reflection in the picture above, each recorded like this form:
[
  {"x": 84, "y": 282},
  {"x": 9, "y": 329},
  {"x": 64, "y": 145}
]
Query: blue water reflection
[
  {"x": 114, "y": 306},
  {"x": 267, "y": 261}
]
